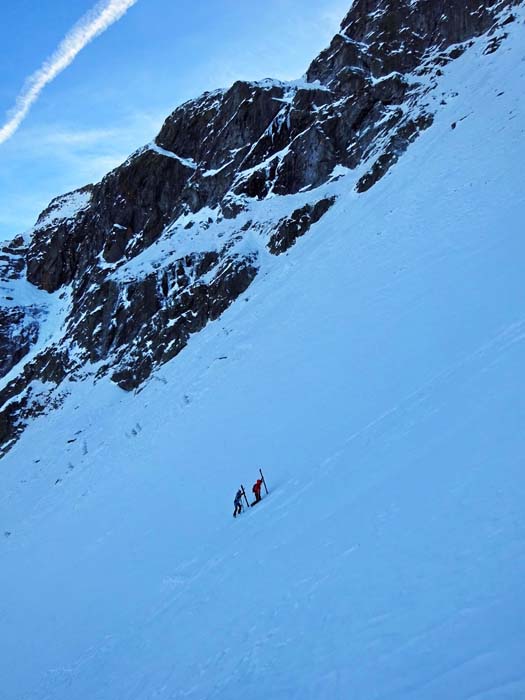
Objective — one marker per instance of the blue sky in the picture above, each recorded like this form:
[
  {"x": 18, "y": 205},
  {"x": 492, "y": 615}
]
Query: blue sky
[{"x": 116, "y": 93}]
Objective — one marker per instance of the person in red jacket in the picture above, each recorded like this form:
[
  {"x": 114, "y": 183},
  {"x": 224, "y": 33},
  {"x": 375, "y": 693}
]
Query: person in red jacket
[{"x": 257, "y": 491}]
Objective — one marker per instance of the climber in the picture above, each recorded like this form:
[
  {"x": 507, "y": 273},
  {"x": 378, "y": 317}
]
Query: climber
[
  {"x": 257, "y": 491},
  {"x": 237, "y": 503}
]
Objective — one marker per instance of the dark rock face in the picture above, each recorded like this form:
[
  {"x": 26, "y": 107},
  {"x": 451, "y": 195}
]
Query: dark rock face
[
  {"x": 408, "y": 29},
  {"x": 300, "y": 221},
  {"x": 126, "y": 255},
  {"x": 143, "y": 323},
  {"x": 18, "y": 333},
  {"x": 167, "y": 330},
  {"x": 20, "y": 400},
  {"x": 19, "y": 325},
  {"x": 53, "y": 254}
]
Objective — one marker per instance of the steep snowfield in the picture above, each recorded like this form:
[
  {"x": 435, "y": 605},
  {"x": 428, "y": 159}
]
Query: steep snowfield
[{"x": 376, "y": 373}]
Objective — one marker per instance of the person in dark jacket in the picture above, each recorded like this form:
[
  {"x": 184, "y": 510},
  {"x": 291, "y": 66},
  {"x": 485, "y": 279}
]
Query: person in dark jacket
[
  {"x": 257, "y": 491},
  {"x": 237, "y": 503}
]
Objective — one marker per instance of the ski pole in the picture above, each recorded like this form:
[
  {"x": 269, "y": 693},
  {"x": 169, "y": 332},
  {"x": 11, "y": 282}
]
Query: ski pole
[
  {"x": 264, "y": 482},
  {"x": 244, "y": 494}
]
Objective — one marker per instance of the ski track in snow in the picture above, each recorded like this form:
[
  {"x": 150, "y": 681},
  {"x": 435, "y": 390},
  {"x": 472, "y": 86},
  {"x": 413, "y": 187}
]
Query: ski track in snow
[{"x": 375, "y": 373}]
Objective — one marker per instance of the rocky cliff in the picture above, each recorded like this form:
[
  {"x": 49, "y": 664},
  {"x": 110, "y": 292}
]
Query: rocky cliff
[{"x": 115, "y": 277}]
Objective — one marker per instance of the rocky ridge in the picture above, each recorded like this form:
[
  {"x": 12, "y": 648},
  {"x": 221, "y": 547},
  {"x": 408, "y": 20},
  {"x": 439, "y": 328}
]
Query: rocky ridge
[{"x": 127, "y": 269}]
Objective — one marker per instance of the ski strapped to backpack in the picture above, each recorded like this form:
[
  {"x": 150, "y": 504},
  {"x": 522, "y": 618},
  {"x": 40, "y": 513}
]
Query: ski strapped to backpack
[
  {"x": 263, "y": 480},
  {"x": 244, "y": 494}
]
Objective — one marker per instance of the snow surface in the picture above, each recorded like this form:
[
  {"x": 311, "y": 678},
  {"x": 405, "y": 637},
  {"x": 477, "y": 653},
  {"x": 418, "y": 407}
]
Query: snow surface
[
  {"x": 376, "y": 374},
  {"x": 187, "y": 162}
]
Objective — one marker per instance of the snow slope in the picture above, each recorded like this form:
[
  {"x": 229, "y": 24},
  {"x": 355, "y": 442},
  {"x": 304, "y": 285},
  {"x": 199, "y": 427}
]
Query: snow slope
[{"x": 376, "y": 374}]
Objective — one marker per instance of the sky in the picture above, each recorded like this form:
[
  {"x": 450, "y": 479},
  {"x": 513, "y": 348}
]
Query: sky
[{"x": 115, "y": 93}]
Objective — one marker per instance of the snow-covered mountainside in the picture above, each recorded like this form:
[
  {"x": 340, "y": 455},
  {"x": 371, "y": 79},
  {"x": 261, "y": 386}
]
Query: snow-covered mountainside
[
  {"x": 137, "y": 263},
  {"x": 323, "y": 279}
]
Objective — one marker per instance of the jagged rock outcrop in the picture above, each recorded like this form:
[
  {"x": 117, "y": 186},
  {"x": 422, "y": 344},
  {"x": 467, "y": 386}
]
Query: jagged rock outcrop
[
  {"x": 297, "y": 224},
  {"x": 19, "y": 325},
  {"x": 167, "y": 241},
  {"x": 409, "y": 29}
]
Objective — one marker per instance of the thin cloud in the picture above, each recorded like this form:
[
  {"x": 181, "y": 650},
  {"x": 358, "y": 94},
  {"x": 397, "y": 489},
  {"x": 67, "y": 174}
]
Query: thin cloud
[
  {"x": 95, "y": 22},
  {"x": 56, "y": 157}
]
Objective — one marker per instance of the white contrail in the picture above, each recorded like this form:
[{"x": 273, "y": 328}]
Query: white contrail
[{"x": 96, "y": 21}]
